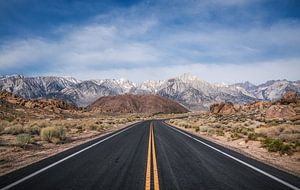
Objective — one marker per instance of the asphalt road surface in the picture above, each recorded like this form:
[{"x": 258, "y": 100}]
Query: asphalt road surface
[{"x": 149, "y": 155}]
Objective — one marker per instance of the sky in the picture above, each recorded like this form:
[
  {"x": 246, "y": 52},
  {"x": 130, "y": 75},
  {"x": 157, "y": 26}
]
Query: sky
[{"x": 217, "y": 40}]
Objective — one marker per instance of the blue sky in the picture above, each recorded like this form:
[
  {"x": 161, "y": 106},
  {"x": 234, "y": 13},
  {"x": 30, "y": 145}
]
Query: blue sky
[{"x": 216, "y": 40}]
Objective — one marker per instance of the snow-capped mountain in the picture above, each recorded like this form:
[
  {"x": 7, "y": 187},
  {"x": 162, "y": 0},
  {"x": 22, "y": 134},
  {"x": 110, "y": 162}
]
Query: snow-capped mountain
[
  {"x": 186, "y": 89},
  {"x": 81, "y": 93},
  {"x": 270, "y": 90}
]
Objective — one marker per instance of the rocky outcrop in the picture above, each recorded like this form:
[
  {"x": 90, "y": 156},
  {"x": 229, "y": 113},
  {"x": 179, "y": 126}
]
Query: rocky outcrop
[
  {"x": 280, "y": 112},
  {"x": 50, "y": 104},
  {"x": 224, "y": 108},
  {"x": 289, "y": 98},
  {"x": 287, "y": 108},
  {"x": 256, "y": 106},
  {"x": 136, "y": 104}
]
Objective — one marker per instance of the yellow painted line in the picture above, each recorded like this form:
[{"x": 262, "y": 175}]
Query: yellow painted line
[
  {"x": 148, "y": 171},
  {"x": 151, "y": 149},
  {"x": 155, "y": 171}
]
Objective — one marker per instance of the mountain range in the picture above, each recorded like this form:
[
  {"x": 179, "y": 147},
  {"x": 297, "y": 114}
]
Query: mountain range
[{"x": 188, "y": 90}]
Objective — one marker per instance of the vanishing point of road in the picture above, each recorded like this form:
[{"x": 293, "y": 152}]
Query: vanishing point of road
[{"x": 149, "y": 155}]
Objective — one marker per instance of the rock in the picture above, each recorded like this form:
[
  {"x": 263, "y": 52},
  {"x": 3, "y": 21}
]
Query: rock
[
  {"x": 49, "y": 104},
  {"x": 31, "y": 104},
  {"x": 228, "y": 108},
  {"x": 237, "y": 107},
  {"x": 215, "y": 108},
  {"x": 224, "y": 108},
  {"x": 289, "y": 97},
  {"x": 256, "y": 106},
  {"x": 280, "y": 112}
]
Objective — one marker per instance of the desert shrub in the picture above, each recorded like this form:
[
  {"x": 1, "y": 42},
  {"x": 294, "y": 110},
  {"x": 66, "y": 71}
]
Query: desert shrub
[
  {"x": 276, "y": 145},
  {"x": 185, "y": 125},
  {"x": 210, "y": 131},
  {"x": 197, "y": 129},
  {"x": 93, "y": 127},
  {"x": 204, "y": 128},
  {"x": 220, "y": 132},
  {"x": 33, "y": 129},
  {"x": 61, "y": 133},
  {"x": 252, "y": 136},
  {"x": 15, "y": 129},
  {"x": 23, "y": 139},
  {"x": 104, "y": 126},
  {"x": 244, "y": 131},
  {"x": 49, "y": 133},
  {"x": 79, "y": 129},
  {"x": 235, "y": 136}
]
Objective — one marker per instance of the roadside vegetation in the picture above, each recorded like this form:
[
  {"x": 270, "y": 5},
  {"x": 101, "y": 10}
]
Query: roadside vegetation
[{"x": 282, "y": 137}]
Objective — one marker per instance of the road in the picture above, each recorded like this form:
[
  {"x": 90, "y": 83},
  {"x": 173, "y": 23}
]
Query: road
[{"x": 149, "y": 155}]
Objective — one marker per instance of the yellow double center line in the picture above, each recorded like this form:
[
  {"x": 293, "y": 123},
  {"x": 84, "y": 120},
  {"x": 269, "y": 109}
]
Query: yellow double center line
[{"x": 151, "y": 148}]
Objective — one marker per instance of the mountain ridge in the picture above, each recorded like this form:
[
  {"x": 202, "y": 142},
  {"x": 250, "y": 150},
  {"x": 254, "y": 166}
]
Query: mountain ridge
[{"x": 186, "y": 89}]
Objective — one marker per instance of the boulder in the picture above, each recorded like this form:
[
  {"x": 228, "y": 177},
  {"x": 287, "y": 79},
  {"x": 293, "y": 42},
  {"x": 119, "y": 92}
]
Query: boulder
[
  {"x": 224, "y": 108},
  {"x": 215, "y": 108}
]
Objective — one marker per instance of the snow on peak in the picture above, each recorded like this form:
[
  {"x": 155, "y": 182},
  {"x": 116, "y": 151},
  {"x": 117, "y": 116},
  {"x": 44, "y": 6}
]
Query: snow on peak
[
  {"x": 221, "y": 84},
  {"x": 72, "y": 79},
  {"x": 187, "y": 77}
]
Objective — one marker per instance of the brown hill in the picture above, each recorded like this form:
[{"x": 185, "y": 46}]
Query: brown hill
[{"x": 136, "y": 104}]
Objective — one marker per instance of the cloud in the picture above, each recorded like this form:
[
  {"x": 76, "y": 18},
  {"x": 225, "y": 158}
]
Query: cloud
[
  {"x": 143, "y": 42},
  {"x": 89, "y": 46},
  {"x": 238, "y": 46}
]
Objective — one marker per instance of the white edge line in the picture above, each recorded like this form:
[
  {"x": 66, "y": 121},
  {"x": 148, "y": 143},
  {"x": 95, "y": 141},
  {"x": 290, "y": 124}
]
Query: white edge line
[
  {"x": 238, "y": 160},
  {"x": 64, "y": 159}
]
